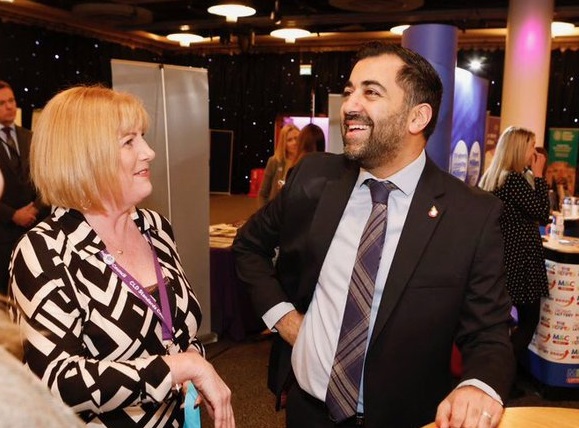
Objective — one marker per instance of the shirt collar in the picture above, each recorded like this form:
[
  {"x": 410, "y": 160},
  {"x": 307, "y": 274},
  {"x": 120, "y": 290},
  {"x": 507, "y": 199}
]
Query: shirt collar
[
  {"x": 406, "y": 179},
  {"x": 13, "y": 133}
]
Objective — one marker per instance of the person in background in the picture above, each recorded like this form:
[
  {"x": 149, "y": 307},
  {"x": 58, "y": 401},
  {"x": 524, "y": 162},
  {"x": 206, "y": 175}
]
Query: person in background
[
  {"x": 26, "y": 401},
  {"x": 311, "y": 139},
  {"x": 437, "y": 280},
  {"x": 19, "y": 209},
  {"x": 284, "y": 157},
  {"x": 516, "y": 176},
  {"x": 109, "y": 317}
]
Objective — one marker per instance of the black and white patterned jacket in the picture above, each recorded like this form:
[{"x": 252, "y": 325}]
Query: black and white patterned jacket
[{"x": 88, "y": 337}]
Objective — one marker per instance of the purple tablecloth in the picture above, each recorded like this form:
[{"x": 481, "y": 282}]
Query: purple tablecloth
[{"x": 232, "y": 313}]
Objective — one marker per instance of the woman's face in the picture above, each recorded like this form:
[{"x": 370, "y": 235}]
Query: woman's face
[
  {"x": 291, "y": 143},
  {"x": 134, "y": 167}
]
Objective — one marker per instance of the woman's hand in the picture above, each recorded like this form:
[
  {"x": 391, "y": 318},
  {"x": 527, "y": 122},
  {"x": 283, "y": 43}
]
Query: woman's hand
[
  {"x": 538, "y": 164},
  {"x": 216, "y": 395}
]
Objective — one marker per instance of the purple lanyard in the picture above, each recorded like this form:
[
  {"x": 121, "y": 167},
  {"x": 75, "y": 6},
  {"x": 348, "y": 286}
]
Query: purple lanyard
[{"x": 163, "y": 312}]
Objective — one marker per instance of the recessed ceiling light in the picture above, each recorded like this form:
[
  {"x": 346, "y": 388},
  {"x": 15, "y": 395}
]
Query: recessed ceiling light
[
  {"x": 290, "y": 34},
  {"x": 559, "y": 28},
  {"x": 185, "y": 39},
  {"x": 231, "y": 11}
]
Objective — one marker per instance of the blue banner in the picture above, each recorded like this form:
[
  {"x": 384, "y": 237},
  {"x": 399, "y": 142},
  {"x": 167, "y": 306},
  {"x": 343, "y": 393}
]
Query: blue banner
[{"x": 468, "y": 126}]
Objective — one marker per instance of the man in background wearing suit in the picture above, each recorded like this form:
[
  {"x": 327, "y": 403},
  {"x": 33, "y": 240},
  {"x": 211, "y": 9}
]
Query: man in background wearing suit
[
  {"x": 440, "y": 275},
  {"x": 18, "y": 209}
]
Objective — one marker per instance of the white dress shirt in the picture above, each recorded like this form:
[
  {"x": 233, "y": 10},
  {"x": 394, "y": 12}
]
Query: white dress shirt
[{"x": 314, "y": 350}]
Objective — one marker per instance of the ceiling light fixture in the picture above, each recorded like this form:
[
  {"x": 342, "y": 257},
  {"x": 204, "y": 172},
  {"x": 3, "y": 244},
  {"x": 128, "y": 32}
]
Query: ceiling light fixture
[
  {"x": 231, "y": 11},
  {"x": 290, "y": 34},
  {"x": 185, "y": 39},
  {"x": 399, "y": 29},
  {"x": 559, "y": 28}
]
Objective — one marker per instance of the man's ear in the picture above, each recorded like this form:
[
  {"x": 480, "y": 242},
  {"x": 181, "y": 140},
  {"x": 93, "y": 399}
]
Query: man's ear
[{"x": 419, "y": 117}]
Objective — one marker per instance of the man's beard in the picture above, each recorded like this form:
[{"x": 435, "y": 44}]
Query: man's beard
[{"x": 384, "y": 143}]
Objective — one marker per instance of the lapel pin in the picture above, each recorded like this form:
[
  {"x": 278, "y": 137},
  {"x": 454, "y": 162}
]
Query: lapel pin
[{"x": 433, "y": 212}]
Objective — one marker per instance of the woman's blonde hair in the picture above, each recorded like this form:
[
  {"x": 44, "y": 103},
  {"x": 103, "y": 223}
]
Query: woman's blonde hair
[
  {"x": 74, "y": 156},
  {"x": 280, "y": 149},
  {"x": 510, "y": 155}
]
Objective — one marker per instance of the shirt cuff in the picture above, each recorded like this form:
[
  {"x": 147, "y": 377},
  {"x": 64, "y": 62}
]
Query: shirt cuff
[
  {"x": 271, "y": 317},
  {"x": 482, "y": 386}
]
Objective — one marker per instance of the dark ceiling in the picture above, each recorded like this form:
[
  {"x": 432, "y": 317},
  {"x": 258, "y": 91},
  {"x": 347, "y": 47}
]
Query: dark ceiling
[{"x": 156, "y": 18}]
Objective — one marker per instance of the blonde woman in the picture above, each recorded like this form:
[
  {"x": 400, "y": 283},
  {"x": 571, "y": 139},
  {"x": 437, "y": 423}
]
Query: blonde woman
[
  {"x": 516, "y": 177},
  {"x": 108, "y": 313},
  {"x": 284, "y": 157}
]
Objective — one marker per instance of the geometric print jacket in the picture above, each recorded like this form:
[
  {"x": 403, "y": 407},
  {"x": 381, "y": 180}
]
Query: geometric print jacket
[{"x": 87, "y": 336}]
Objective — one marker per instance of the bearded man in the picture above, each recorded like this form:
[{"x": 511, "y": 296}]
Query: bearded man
[{"x": 384, "y": 262}]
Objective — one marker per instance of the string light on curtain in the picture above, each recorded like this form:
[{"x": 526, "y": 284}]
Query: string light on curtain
[
  {"x": 290, "y": 34},
  {"x": 231, "y": 11},
  {"x": 559, "y": 28},
  {"x": 185, "y": 39}
]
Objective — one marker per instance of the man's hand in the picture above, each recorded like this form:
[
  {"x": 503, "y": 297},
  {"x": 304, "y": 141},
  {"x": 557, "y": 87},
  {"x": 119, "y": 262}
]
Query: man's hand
[
  {"x": 289, "y": 326},
  {"x": 468, "y": 406},
  {"x": 25, "y": 216}
]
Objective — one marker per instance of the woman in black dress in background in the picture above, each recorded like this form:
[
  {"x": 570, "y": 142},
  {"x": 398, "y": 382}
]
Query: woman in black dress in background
[{"x": 516, "y": 176}]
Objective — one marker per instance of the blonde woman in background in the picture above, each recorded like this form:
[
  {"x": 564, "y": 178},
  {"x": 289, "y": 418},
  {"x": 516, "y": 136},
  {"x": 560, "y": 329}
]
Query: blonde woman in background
[
  {"x": 516, "y": 177},
  {"x": 284, "y": 157}
]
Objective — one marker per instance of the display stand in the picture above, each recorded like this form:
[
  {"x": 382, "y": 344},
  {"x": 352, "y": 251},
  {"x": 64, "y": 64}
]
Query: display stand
[{"x": 554, "y": 350}]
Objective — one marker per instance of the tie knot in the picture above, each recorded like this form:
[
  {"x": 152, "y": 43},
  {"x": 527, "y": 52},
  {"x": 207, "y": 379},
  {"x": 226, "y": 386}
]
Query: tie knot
[
  {"x": 380, "y": 190},
  {"x": 7, "y": 130}
]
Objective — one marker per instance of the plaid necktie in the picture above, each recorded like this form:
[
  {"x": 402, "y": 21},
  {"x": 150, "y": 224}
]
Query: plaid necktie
[{"x": 346, "y": 374}]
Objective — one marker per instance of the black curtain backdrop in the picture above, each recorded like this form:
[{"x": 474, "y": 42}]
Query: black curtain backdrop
[{"x": 246, "y": 91}]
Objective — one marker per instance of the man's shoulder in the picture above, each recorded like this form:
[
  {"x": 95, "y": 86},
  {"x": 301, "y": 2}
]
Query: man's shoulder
[
  {"x": 22, "y": 132},
  {"x": 462, "y": 189}
]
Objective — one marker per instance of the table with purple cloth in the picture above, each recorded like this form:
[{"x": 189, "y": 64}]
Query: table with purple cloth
[{"x": 232, "y": 313}]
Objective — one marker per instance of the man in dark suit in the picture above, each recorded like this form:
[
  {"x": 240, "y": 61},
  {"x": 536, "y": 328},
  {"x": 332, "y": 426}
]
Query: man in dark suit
[
  {"x": 440, "y": 278},
  {"x": 19, "y": 209}
]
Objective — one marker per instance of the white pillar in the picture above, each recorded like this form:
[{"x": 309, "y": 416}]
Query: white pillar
[{"x": 527, "y": 61}]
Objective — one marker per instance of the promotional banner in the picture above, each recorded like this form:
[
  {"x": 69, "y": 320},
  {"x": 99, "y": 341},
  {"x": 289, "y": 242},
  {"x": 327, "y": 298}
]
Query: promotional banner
[
  {"x": 554, "y": 349},
  {"x": 492, "y": 134},
  {"x": 562, "y": 161},
  {"x": 468, "y": 126}
]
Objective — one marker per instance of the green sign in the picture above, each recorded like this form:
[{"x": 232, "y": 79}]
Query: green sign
[{"x": 563, "y": 143}]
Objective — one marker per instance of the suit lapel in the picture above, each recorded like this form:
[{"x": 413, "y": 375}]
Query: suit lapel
[
  {"x": 327, "y": 216},
  {"x": 419, "y": 226},
  {"x": 24, "y": 137}
]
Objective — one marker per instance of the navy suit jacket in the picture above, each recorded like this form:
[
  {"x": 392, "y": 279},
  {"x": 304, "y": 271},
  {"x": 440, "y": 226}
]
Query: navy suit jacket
[
  {"x": 18, "y": 189},
  {"x": 446, "y": 285}
]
